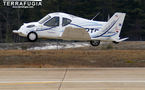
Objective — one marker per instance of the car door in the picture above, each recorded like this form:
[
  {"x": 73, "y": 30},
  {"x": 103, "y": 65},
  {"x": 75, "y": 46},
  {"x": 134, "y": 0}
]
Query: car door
[
  {"x": 51, "y": 28},
  {"x": 65, "y": 22}
]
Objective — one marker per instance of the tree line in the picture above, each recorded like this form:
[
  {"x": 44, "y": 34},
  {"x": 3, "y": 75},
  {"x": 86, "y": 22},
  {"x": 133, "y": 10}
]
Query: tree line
[{"x": 134, "y": 28}]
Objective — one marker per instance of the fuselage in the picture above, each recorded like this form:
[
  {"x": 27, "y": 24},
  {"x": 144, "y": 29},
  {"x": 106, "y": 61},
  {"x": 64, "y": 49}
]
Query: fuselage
[
  {"x": 69, "y": 27},
  {"x": 54, "y": 24}
]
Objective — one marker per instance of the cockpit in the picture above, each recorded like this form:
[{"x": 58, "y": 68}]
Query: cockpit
[{"x": 55, "y": 21}]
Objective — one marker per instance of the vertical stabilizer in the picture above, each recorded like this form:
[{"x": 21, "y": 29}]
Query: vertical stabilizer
[{"x": 113, "y": 27}]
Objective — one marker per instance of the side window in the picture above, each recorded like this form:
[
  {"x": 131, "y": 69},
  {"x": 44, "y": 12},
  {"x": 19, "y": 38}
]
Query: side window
[
  {"x": 65, "y": 21},
  {"x": 52, "y": 22}
]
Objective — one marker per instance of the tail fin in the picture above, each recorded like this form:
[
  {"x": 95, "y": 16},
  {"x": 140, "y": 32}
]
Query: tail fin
[
  {"x": 118, "y": 26},
  {"x": 113, "y": 27}
]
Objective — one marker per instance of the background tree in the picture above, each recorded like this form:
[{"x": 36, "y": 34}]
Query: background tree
[{"x": 134, "y": 28}]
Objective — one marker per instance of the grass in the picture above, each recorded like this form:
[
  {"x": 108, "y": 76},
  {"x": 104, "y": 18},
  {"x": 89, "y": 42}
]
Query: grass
[{"x": 72, "y": 58}]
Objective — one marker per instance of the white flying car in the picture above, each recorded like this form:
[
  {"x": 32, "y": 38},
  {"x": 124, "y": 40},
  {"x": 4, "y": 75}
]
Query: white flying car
[{"x": 69, "y": 27}]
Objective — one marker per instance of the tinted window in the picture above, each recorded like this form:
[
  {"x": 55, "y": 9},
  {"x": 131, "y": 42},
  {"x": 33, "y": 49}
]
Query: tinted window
[
  {"x": 65, "y": 21},
  {"x": 52, "y": 22}
]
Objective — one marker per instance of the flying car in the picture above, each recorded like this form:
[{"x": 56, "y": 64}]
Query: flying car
[{"x": 69, "y": 27}]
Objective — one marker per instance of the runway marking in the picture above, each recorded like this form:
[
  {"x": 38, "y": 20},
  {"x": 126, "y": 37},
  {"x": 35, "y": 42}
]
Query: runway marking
[
  {"x": 29, "y": 82},
  {"x": 100, "y": 81},
  {"x": 52, "y": 82},
  {"x": 71, "y": 68}
]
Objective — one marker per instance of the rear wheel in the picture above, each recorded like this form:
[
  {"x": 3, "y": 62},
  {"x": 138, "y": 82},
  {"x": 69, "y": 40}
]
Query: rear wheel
[
  {"x": 95, "y": 43},
  {"x": 32, "y": 36},
  {"x": 115, "y": 42}
]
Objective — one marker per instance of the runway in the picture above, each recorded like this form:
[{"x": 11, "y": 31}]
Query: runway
[{"x": 72, "y": 79}]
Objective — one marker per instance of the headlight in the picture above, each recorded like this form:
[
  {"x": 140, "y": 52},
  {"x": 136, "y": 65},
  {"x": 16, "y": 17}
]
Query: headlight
[{"x": 30, "y": 26}]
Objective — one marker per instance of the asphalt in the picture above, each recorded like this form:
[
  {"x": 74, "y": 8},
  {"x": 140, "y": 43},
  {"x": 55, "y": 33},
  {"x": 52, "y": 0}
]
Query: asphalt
[{"x": 72, "y": 79}]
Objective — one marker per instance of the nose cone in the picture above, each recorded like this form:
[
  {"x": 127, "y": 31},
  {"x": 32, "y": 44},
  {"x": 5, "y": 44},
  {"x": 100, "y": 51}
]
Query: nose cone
[
  {"x": 26, "y": 28},
  {"x": 21, "y": 31},
  {"x": 15, "y": 31}
]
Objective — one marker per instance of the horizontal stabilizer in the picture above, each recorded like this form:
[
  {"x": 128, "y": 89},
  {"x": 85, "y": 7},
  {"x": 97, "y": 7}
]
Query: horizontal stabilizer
[{"x": 120, "y": 40}]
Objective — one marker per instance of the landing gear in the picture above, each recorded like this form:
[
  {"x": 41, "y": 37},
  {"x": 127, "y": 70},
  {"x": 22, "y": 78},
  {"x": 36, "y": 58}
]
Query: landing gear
[
  {"x": 115, "y": 42},
  {"x": 32, "y": 36},
  {"x": 95, "y": 43}
]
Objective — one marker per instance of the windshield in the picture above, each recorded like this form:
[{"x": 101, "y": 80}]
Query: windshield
[{"x": 44, "y": 19}]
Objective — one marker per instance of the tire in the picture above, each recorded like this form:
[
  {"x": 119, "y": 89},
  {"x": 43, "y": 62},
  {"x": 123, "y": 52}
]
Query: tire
[
  {"x": 32, "y": 36},
  {"x": 115, "y": 42},
  {"x": 95, "y": 43}
]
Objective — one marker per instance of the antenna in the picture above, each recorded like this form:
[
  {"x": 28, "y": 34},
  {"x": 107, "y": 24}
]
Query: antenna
[{"x": 95, "y": 16}]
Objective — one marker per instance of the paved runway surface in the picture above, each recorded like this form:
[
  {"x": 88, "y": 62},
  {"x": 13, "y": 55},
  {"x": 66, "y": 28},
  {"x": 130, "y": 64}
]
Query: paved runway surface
[{"x": 72, "y": 79}]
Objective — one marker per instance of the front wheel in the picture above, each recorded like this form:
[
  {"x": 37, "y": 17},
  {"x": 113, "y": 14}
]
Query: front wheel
[
  {"x": 32, "y": 36},
  {"x": 95, "y": 43}
]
